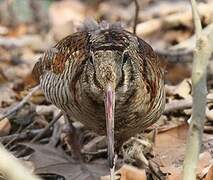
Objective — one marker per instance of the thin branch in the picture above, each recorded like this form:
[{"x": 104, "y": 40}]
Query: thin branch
[
  {"x": 27, "y": 135},
  {"x": 38, "y": 136},
  {"x": 202, "y": 54},
  {"x": 196, "y": 18},
  {"x": 180, "y": 105},
  {"x": 137, "y": 8},
  {"x": 20, "y": 104}
]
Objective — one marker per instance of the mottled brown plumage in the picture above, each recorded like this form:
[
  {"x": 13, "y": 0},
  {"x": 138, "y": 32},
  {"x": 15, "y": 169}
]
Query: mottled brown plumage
[{"x": 75, "y": 72}]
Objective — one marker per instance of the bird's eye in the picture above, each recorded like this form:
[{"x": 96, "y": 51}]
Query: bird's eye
[
  {"x": 124, "y": 58},
  {"x": 91, "y": 61}
]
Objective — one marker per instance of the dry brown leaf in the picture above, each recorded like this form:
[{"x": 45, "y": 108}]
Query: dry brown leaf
[
  {"x": 3, "y": 78},
  {"x": 205, "y": 161},
  {"x": 168, "y": 125},
  {"x": 170, "y": 145},
  {"x": 131, "y": 173},
  {"x": 176, "y": 36},
  {"x": 175, "y": 173},
  {"x": 5, "y": 127},
  {"x": 169, "y": 150},
  {"x": 209, "y": 114},
  {"x": 7, "y": 95},
  {"x": 170, "y": 89},
  {"x": 3, "y": 30},
  {"x": 184, "y": 89},
  {"x": 127, "y": 172},
  {"x": 50, "y": 160},
  {"x": 18, "y": 31},
  {"x": 210, "y": 96},
  {"x": 209, "y": 175},
  {"x": 176, "y": 72}
]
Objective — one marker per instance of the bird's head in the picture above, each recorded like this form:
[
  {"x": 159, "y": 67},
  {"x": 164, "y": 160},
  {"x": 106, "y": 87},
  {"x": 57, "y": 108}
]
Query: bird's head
[
  {"x": 107, "y": 71},
  {"x": 108, "y": 68}
]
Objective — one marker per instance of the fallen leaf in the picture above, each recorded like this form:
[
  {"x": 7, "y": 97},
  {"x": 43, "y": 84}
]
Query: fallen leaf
[
  {"x": 5, "y": 127},
  {"x": 205, "y": 161},
  {"x": 209, "y": 175},
  {"x": 176, "y": 72},
  {"x": 209, "y": 114},
  {"x": 169, "y": 152},
  {"x": 131, "y": 173},
  {"x": 170, "y": 145},
  {"x": 127, "y": 172},
  {"x": 174, "y": 173},
  {"x": 7, "y": 95},
  {"x": 3, "y": 78},
  {"x": 51, "y": 160},
  {"x": 184, "y": 89}
]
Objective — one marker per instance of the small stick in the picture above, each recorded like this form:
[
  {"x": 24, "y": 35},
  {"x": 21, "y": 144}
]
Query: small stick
[
  {"x": 47, "y": 127},
  {"x": 38, "y": 136},
  {"x": 208, "y": 129},
  {"x": 98, "y": 152},
  {"x": 20, "y": 132},
  {"x": 29, "y": 134},
  {"x": 137, "y": 8},
  {"x": 12, "y": 140},
  {"x": 180, "y": 105},
  {"x": 20, "y": 104}
]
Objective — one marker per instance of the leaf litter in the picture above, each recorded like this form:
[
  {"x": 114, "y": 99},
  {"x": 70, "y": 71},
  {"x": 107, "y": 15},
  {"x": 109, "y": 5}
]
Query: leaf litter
[{"x": 22, "y": 42}]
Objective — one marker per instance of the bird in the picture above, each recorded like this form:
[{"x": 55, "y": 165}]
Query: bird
[{"x": 105, "y": 77}]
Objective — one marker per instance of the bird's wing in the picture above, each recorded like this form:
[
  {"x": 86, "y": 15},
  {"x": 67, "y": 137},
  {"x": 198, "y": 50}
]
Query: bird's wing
[{"x": 73, "y": 47}]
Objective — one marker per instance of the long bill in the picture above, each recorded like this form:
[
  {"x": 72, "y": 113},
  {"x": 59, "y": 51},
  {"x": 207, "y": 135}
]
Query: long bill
[{"x": 109, "y": 111}]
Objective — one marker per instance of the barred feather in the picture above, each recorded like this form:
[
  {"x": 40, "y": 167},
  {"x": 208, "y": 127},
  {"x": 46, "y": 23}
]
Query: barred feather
[{"x": 74, "y": 83}]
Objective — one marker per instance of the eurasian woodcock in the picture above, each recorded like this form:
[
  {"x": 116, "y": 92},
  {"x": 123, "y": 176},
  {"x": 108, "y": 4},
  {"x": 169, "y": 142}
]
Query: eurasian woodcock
[{"x": 105, "y": 77}]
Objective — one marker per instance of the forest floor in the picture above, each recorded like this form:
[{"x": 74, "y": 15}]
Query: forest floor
[{"x": 27, "y": 29}]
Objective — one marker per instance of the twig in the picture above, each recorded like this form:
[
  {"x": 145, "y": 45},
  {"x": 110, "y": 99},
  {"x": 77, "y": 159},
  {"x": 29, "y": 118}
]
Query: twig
[
  {"x": 20, "y": 104},
  {"x": 38, "y": 136},
  {"x": 88, "y": 156},
  {"x": 47, "y": 127},
  {"x": 56, "y": 134},
  {"x": 19, "y": 133},
  {"x": 208, "y": 129},
  {"x": 12, "y": 168},
  {"x": 202, "y": 54},
  {"x": 137, "y": 8},
  {"x": 180, "y": 105},
  {"x": 12, "y": 140},
  {"x": 98, "y": 152},
  {"x": 29, "y": 134},
  {"x": 95, "y": 144}
]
